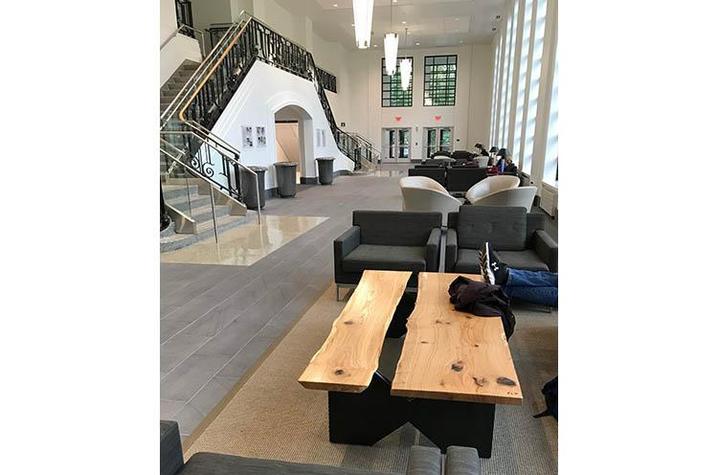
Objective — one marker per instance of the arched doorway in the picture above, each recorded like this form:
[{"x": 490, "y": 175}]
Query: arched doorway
[{"x": 295, "y": 140}]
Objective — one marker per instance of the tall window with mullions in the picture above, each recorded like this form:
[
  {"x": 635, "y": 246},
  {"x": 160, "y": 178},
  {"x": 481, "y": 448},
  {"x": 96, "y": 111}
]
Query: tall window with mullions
[
  {"x": 392, "y": 95},
  {"x": 440, "y": 80}
]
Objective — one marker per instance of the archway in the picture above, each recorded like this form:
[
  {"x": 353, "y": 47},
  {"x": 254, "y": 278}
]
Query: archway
[{"x": 294, "y": 140}]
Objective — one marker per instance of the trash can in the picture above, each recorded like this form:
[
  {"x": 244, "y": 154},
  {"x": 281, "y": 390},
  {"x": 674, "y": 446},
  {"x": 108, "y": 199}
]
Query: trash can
[
  {"x": 249, "y": 187},
  {"x": 286, "y": 179},
  {"x": 326, "y": 170}
]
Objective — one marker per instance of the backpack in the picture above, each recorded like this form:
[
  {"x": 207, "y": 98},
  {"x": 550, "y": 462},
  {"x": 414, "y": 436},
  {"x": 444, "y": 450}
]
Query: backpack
[{"x": 550, "y": 393}]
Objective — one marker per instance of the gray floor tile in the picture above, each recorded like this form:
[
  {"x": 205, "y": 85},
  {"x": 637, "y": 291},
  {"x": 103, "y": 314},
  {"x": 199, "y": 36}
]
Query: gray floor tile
[
  {"x": 178, "y": 348},
  {"x": 188, "y": 419},
  {"x": 210, "y": 395},
  {"x": 185, "y": 380},
  {"x": 170, "y": 409}
]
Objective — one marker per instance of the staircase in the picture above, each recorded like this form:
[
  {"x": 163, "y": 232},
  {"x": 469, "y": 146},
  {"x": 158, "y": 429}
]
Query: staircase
[
  {"x": 174, "y": 84},
  {"x": 195, "y": 201},
  {"x": 192, "y": 101}
]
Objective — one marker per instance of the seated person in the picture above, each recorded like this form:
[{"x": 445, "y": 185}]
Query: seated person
[
  {"x": 481, "y": 150},
  {"x": 506, "y": 166},
  {"x": 539, "y": 287}
]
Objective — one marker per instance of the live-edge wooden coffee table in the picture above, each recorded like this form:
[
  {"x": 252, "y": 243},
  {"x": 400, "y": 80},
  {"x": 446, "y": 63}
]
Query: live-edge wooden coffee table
[{"x": 453, "y": 370}]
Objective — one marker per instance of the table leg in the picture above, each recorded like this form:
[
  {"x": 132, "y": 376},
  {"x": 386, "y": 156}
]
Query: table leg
[
  {"x": 446, "y": 423},
  {"x": 366, "y": 418}
]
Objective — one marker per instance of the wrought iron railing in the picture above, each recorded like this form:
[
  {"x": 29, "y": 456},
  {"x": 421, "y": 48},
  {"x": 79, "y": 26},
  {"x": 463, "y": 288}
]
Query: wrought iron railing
[{"x": 234, "y": 54}]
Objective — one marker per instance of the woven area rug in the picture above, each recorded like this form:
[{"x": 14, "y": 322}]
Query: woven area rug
[{"x": 271, "y": 416}]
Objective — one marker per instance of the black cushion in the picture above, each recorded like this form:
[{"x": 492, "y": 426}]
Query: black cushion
[
  {"x": 435, "y": 173},
  {"x": 503, "y": 226},
  {"x": 396, "y": 228},
  {"x": 463, "y": 155},
  {"x": 374, "y": 257},
  {"x": 463, "y": 178},
  {"x": 526, "y": 260},
  {"x": 203, "y": 463},
  {"x": 467, "y": 261}
]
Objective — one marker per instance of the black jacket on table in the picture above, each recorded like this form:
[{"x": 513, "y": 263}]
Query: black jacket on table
[{"x": 482, "y": 300}]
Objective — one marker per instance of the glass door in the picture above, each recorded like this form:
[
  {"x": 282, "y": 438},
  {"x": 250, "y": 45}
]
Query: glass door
[
  {"x": 438, "y": 139},
  {"x": 396, "y": 144}
]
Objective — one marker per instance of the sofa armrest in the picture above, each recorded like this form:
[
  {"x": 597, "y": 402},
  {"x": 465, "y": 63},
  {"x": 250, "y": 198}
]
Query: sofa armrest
[
  {"x": 171, "y": 459},
  {"x": 547, "y": 249},
  {"x": 452, "y": 249},
  {"x": 462, "y": 461},
  {"x": 345, "y": 244},
  {"x": 432, "y": 250},
  {"x": 424, "y": 461}
]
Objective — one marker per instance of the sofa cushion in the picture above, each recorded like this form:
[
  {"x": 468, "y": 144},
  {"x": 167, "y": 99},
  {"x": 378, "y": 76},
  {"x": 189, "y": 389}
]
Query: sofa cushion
[
  {"x": 467, "y": 261},
  {"x": 396, "y": 228},
  {"x": 373, "y": 257},
  {"x": 503, "y": 226},
  {"x": 203, "y": 463},
  {"x": 526, "y": 260}
]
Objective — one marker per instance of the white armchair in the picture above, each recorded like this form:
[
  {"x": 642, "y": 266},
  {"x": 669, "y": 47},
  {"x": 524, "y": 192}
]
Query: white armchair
[
  {"x": 522, "y": 196},
  {"x": 491, "y": 184},
  {"x": 421, "y": 193}
]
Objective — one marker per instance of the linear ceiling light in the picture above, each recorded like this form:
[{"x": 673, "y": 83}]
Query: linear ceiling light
[
  {"x": 391, "y": 49},
  {"x": 405, "y": 66},
  {"x": 363, "y": 10}
]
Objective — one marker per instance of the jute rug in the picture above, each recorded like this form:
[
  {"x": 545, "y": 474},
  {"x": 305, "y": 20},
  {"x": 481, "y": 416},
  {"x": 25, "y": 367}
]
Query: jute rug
[{"x": 271, "y": 416}]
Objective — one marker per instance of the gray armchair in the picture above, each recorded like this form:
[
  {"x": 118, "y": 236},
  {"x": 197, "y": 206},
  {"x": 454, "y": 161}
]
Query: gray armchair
[
  {"x": 517, "y": 236},
  {"x": 422, "y": 461},
  {"x": 387, "y": 240}
]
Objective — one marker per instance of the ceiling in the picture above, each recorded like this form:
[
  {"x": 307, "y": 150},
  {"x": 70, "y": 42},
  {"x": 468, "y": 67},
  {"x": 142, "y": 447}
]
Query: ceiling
[{"x": 430, "y": 23}]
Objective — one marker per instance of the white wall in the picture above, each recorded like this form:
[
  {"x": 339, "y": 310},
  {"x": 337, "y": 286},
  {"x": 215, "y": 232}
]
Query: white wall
[
  {"x": 178, "y": 49},
  {"x": 264, "y": 91},
  {"x": 288, "y": 142},
  {"x": 469, "y": 117}
]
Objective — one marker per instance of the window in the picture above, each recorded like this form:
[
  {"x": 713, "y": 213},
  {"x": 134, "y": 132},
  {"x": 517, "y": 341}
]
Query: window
[
  {"x": 534, "y": 83},
  {"x": 550, "y": 169},
  {"x": 521, "y": 91},
  {"x": 494, "y": 95},
  {"x": 440, "y": 80},
  {"x": 392, "y": 95},
  {"x": 508, "y": 85}
]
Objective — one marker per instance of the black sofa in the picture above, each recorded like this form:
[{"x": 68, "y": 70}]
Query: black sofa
[
  {"x": 387, "y": 240},
  {"x": 435, "y": 173},
  {"x": 422, "y": 461},
  {"x": 517, "y": 236},
  {"x": 463, "y": 178}
]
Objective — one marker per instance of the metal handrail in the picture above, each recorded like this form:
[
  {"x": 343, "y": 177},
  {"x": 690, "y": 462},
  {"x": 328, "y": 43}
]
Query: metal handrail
[
  {"x": 225, "y": 156},
  {"x": 194, "y": 79}
]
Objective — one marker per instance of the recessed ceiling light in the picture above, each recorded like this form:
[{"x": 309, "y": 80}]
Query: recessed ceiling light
[
  {"x": 456, "y": 19},
  {"x": 403, "y": 23},
  {"x": 498, "y": 17},
  {"x": 352, "y": 24},
  {"x": 374, "y": 46},
  {"x": 418, "y": 44},
  {"x": 461, "y": 41},
  {"x": 335, "y": 5}
]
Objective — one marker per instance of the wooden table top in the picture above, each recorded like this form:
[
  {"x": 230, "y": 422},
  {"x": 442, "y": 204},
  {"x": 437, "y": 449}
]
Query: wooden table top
[
  {"x": 350, "y": 355},
  {"x": 447, "y": 354},
  {"x": 454, "y": 355}
]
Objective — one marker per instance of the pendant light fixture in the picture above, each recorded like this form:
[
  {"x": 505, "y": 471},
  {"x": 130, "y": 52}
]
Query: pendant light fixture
[
  {"x": 405, "y": 67},
  {"x": 391, "y": 46},
  {"x": 363, "y": 11}
]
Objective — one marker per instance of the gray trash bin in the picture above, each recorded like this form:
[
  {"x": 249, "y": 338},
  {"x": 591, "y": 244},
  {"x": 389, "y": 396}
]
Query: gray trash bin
[
  {"x": 286, "y": 179},
  {"x": 326, "y": 170},
  {"x": 249, "y": 187}
]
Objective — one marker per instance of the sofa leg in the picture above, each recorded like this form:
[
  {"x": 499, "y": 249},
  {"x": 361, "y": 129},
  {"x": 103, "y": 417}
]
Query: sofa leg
[{"x": 337, "y": 293}]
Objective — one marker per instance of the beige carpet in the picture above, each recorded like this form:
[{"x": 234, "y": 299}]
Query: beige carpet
[{"x": 272, "y": 417}]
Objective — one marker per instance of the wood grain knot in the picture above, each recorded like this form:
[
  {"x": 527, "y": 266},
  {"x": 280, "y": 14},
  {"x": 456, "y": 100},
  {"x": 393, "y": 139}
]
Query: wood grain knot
[
  {"x": 442, "y": 322},
  {"x": 458, "y": 366},
  {"x": 480, "y": 382},
  {"x": 349, "y": 322},
  {"x": 424, "y": 342},
  {"x": 505, "y": 381},
  {"x": 339, "y": 372}
]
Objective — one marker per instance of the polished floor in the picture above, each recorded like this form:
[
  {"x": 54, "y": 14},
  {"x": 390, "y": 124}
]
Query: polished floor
[
  {"x": 218, "y": 321},
  {"x": 245, "y": 245}
]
